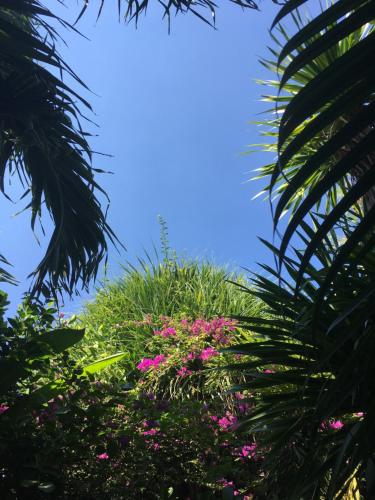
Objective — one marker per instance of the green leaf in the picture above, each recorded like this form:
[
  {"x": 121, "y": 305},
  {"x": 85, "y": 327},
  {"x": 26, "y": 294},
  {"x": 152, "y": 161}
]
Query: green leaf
[
  {"x": 60, "y": 339},
  {"x": 103, "y": 363}
]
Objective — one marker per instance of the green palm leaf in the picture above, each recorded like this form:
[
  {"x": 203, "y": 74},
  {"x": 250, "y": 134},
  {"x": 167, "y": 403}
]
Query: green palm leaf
[{"x": 41, "y": 138}]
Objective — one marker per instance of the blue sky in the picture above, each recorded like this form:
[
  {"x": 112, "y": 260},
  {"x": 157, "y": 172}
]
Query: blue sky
[{"x": 173, "y": 111}]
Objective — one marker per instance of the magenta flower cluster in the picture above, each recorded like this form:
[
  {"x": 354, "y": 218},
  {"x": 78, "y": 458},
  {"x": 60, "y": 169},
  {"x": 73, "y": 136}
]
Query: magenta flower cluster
[
  {"x": 147, "y": 363},
  {"x": 3, "y": 408},
  {"x": 217, "y": 328},
  {"x": 166, "y": 332},
  {"x": 208, "y": 353}
]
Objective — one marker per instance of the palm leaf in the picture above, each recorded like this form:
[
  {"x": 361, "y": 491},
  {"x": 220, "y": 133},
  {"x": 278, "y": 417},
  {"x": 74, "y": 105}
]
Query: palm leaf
[{"x": 41, "y": 138}]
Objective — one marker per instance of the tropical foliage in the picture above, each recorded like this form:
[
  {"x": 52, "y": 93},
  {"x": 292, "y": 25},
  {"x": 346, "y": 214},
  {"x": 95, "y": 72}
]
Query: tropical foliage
[
  {"x": 130, "y": 10},
  {"x": 300, "y": 370},
  {"x": 37, "y": 378},
  {"x": 42, "y": 141},
  {"x": 172, "y": 287},
  {"x": 333, "y": 114},
  {"x": 318, "y": 414},
  {"x": 170, "y": 431}
]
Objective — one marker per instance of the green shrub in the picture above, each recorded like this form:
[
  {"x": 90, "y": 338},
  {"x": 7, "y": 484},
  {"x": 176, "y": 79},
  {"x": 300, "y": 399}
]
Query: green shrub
[{"x": 173, "y": 288}]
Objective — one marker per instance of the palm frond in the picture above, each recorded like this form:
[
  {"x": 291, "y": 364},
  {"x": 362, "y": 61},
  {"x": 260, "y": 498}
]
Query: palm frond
[
  {"x": 324, "y": 116},
  {"x": 131, "y": 10},
  {"x": 41, "y": 138},
  {"x": 321, "y": 372}
]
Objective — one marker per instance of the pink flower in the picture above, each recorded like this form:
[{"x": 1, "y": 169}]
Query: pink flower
[
  {"x": 3, "y": 408},
  {"x": 359, "y": 414},
  {"x": 268, "y": 371},
  {"x": 226, "y": 422},
  {"x": 336, "y": 424},
  {"x": 145, "y": 364},
  {"x": 184, "y": 372},
  {"x": 155, "y": 446},
  {"x": 158, "y": 360},
  {"x": 208, "y": 353},
  {"x": 248, "y": 450},
  {"x": 213, "y": 418},
  {"x": 151, "y": 432},
  {"x": 102, "y": 456},
  {"x": 168, "y": 332},
  {"x": 191, "y": 356}
]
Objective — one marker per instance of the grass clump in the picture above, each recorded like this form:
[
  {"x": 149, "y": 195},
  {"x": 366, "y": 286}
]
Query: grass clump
[{"x": 174, "y": 288}]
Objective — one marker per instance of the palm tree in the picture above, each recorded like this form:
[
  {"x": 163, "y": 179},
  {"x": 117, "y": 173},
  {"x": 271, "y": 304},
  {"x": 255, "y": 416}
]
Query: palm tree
[
  {"x": 313, "y": 381},
  {"x": 43, "y": 142},
  {"x": 316, "y": 411},
  {"x": 327, "y": 126}
]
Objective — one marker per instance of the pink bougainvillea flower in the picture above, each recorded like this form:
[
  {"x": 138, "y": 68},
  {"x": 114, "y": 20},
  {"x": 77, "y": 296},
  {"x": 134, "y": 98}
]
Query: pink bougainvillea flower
[
  {"x": 208, "y": 353},
  {"x": 151, "y": 432},
  {"x": 102, "y": 456},
  {"x": 145, "y": 364},
  {"x": 168, "y": 332},
  {"x": 3, "y": 408},
  {"x": 248, "y": 450},
  {"x": 214, "y": 418},
  {"x": 155, "y": 446},
  {"x": 336, "y": 424},
  {"x": 226, "y": 422},
  {"x": 183, "y": 372},
  {"x": 359, "y": 414},
  {"x": 160, "y": 358}
]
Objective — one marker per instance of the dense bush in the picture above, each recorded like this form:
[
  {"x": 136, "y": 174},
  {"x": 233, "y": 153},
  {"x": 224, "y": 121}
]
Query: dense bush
[
  {"x": 164, "y": 423},
  {"x": 173, "y": 288},
  {"x": 170, "y": 435},
  {"x": 174, "y": 434}
]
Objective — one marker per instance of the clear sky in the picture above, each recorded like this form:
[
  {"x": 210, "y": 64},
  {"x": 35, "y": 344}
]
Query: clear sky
[{"x": 173, "y": 110}]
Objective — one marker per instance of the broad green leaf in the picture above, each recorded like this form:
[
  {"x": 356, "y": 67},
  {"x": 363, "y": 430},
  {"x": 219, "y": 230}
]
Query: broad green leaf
[{"x": 100, "y": 364}]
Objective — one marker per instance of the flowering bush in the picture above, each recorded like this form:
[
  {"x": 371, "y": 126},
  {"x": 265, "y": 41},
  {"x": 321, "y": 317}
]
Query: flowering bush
[
  {"x": 175, "y": 433},
  {"x": 180, "y": 353}
]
